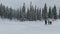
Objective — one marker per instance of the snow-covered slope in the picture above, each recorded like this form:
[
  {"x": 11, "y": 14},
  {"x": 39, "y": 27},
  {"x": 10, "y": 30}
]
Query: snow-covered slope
[{"x": 28, "y": 27}]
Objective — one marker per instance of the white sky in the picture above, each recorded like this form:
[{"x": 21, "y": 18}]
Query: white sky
[{"x": 40, "y": 3}]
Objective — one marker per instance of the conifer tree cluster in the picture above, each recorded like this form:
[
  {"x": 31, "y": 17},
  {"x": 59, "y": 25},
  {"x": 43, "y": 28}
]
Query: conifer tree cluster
[{"x": 31, "y": 14}]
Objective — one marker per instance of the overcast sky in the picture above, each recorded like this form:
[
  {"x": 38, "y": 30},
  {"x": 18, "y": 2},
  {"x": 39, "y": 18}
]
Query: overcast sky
[{"x": 40, "y": 3}]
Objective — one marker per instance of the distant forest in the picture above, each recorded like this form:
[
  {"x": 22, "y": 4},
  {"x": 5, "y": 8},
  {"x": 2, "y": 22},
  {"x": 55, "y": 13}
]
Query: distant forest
[{"x": 31, "y": 14}]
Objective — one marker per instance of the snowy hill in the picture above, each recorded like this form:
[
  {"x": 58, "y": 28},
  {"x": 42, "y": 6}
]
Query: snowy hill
[{"x": 28, "y": 27}]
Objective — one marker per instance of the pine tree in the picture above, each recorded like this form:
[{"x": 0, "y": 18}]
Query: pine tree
[
  {"x": 44, "y": 13},
  {"x": 31, "y": 12},
  {"x": 1, "y": 10},
  {"x": 20, "y": 13},
  {"x": 7, "y": 10},
  {"x": 40, "y": 14},
  {"x": 23, "y": 12},
  {"x": 10, "y": 13},
  {"x": 28, "y": 14},
  {"x": 50, "y": 13},
  {"x": 35, "y": 13},
  {"x": 54, "y": 12},
  {"x": 59, "y": 13}
]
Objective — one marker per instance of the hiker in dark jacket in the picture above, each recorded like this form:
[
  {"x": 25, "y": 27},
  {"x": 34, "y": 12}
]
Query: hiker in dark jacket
[{"x": 46, "y": 22}]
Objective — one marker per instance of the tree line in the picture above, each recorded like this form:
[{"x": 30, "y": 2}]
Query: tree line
[{"x": 31, "y": 14}]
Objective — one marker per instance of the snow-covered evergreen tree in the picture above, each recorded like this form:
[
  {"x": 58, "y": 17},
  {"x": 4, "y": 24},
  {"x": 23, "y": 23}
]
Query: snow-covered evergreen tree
[
  {"x": 54, "y": 12},
  {"x": 50, "y": 13}
]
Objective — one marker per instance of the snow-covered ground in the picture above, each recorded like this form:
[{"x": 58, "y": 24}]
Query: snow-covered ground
[{"x": 28, "y": 27}]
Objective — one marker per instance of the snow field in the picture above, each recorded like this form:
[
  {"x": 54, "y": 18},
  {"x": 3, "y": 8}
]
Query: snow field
[{"x": 28, "y": 27}]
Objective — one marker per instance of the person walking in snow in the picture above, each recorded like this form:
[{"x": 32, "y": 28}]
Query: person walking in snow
[
  {"x": 45, "y": 22},
  {"x": 49, "y": 22}
]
